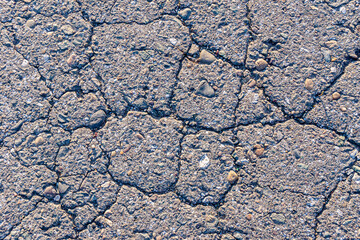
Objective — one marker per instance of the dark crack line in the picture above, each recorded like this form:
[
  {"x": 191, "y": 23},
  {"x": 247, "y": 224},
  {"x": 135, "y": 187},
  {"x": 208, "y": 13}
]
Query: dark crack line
[
  {"x": 328, "y": 198},
  {"x": 173, "y": 187},
  {"x": 23, "y": 217}
]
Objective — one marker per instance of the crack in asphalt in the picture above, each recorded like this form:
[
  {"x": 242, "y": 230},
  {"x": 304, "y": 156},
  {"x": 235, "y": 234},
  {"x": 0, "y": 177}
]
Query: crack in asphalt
[{"x": 299, "y": 119}]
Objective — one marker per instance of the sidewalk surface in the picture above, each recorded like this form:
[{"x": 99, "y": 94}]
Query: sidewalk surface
[{"x": 179, "y": 119}]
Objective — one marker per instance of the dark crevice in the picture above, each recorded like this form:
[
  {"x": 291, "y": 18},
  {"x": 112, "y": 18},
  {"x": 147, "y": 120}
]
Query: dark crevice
[
  {"x": 22, "y": 218},
  {"x": 323, "y": 208},
  {"x": 298, "y": 118}
]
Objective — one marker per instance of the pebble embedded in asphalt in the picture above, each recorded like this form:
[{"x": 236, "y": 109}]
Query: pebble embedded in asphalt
[{"x": 206, "y": 57}]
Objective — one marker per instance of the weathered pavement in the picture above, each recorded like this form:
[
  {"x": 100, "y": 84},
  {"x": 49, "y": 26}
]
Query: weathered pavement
[{"x": 179, "y": 119}]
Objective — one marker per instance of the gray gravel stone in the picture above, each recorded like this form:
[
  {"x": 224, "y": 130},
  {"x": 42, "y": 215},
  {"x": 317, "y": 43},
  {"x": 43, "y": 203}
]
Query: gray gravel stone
[
  {"x": 295, "y": 53},
  {"x": 140, "y": 63},
  {"x": 261, "y": 213},
  {"x": 194, "y": 100},
  {"x": 205, "y": 163},
  {"x": 206, "y": 57},
  {"x": 73, "y": 111},
  {"x": 162, "y": 216},
  {"x": 294, "y": 157},
  {"x": 127, "y": 11},
  {"x": 146, "y": 150},
  {"x": 185, "y": 13},
  {"x": 219, "y": 25},
  {"x": 329, "y": 111}
]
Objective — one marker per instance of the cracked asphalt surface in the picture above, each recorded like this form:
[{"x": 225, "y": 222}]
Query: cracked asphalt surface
[{"x": 179, "y": 119}]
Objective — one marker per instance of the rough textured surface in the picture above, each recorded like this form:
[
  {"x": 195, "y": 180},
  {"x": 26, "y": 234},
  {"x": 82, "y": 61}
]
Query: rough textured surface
[
  {"x": 254, "y": 107},
  {"x": 55, "y": 44},
  {"x": 84, "y": 80},
  {"x": 21, "y": 92},
  {"x": 218, "y": 25},
  {"x": 298, "y": 158},
  {"x": 139, "y": 63},
  {"x": 85, "y": 197},
  {"x": 81, "y": 155},
  {"x": 340, "y": 113},
  {"x": 21, "y": 188},
  {"x": 37, "y": 143},
  {"x": 262, "y": 213},
  {"x": 298, "y": 47},
  {"x": 73, "y": 111},
  {"x": 47, "y": 221},
  {"x": 205, "y": 163},
  {"x": 340, "y": 218},
  {"x": 144, "y": 151},
  {"x": 179, "y": 119},
  {"x": 207, "y": 94},
  {"x": 113, "y": 11},
  {"x": 135, "y": 215}
]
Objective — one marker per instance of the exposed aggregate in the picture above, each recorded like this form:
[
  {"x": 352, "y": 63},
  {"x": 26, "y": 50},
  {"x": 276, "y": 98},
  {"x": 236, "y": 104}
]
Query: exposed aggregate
[{"x": 177, "y": 119}]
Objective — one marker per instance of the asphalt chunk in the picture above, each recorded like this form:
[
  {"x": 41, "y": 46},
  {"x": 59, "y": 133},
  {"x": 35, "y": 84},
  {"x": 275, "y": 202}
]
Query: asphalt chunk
[
  {"x": 205, "y": 163},
  {"x": 167, "y": 215},
  {"x": 153, "y": 160},
  {"x": 139, "y": 63},
  {"x": 220, "y": 26},
  {"x": 272, "y": 213},
  {"x": 338, "y": 109},
  {"x": 211, "y": 108},
  {"x": 72, "y": 112},
  {"x": 276, "y": 156}
]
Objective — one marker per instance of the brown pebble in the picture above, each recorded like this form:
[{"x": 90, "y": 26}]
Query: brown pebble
[
  {"x": 260, "y": 64},
  {"x": 125, "y": 149},
  {"x": 30, "y": 23},
  {"x": 249, "y": 216},
  {"x": 257, "y": 146},
  {"x": 71, "y": 61},
  {"x": 113, "y": 154},
  {"x": 309, "y": 84},
  {"x": 343, "y": 109},
  {"x": 331, "y": 43},
  {"x": 129, "y": 173},
  {"x": 336, "y": 96},
  {"x": 139, "y": 136},
  {"x": 39, "y": 140},
  {"x": 50, "y": 192},
  {"x": 259, "y": 151},
  {"x": 232, "y": 177},
  {"x": 252, "y": 83}
]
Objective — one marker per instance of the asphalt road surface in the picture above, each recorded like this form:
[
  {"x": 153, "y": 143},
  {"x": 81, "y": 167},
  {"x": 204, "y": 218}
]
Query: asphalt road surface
[{"x": 179, "y": 119}]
